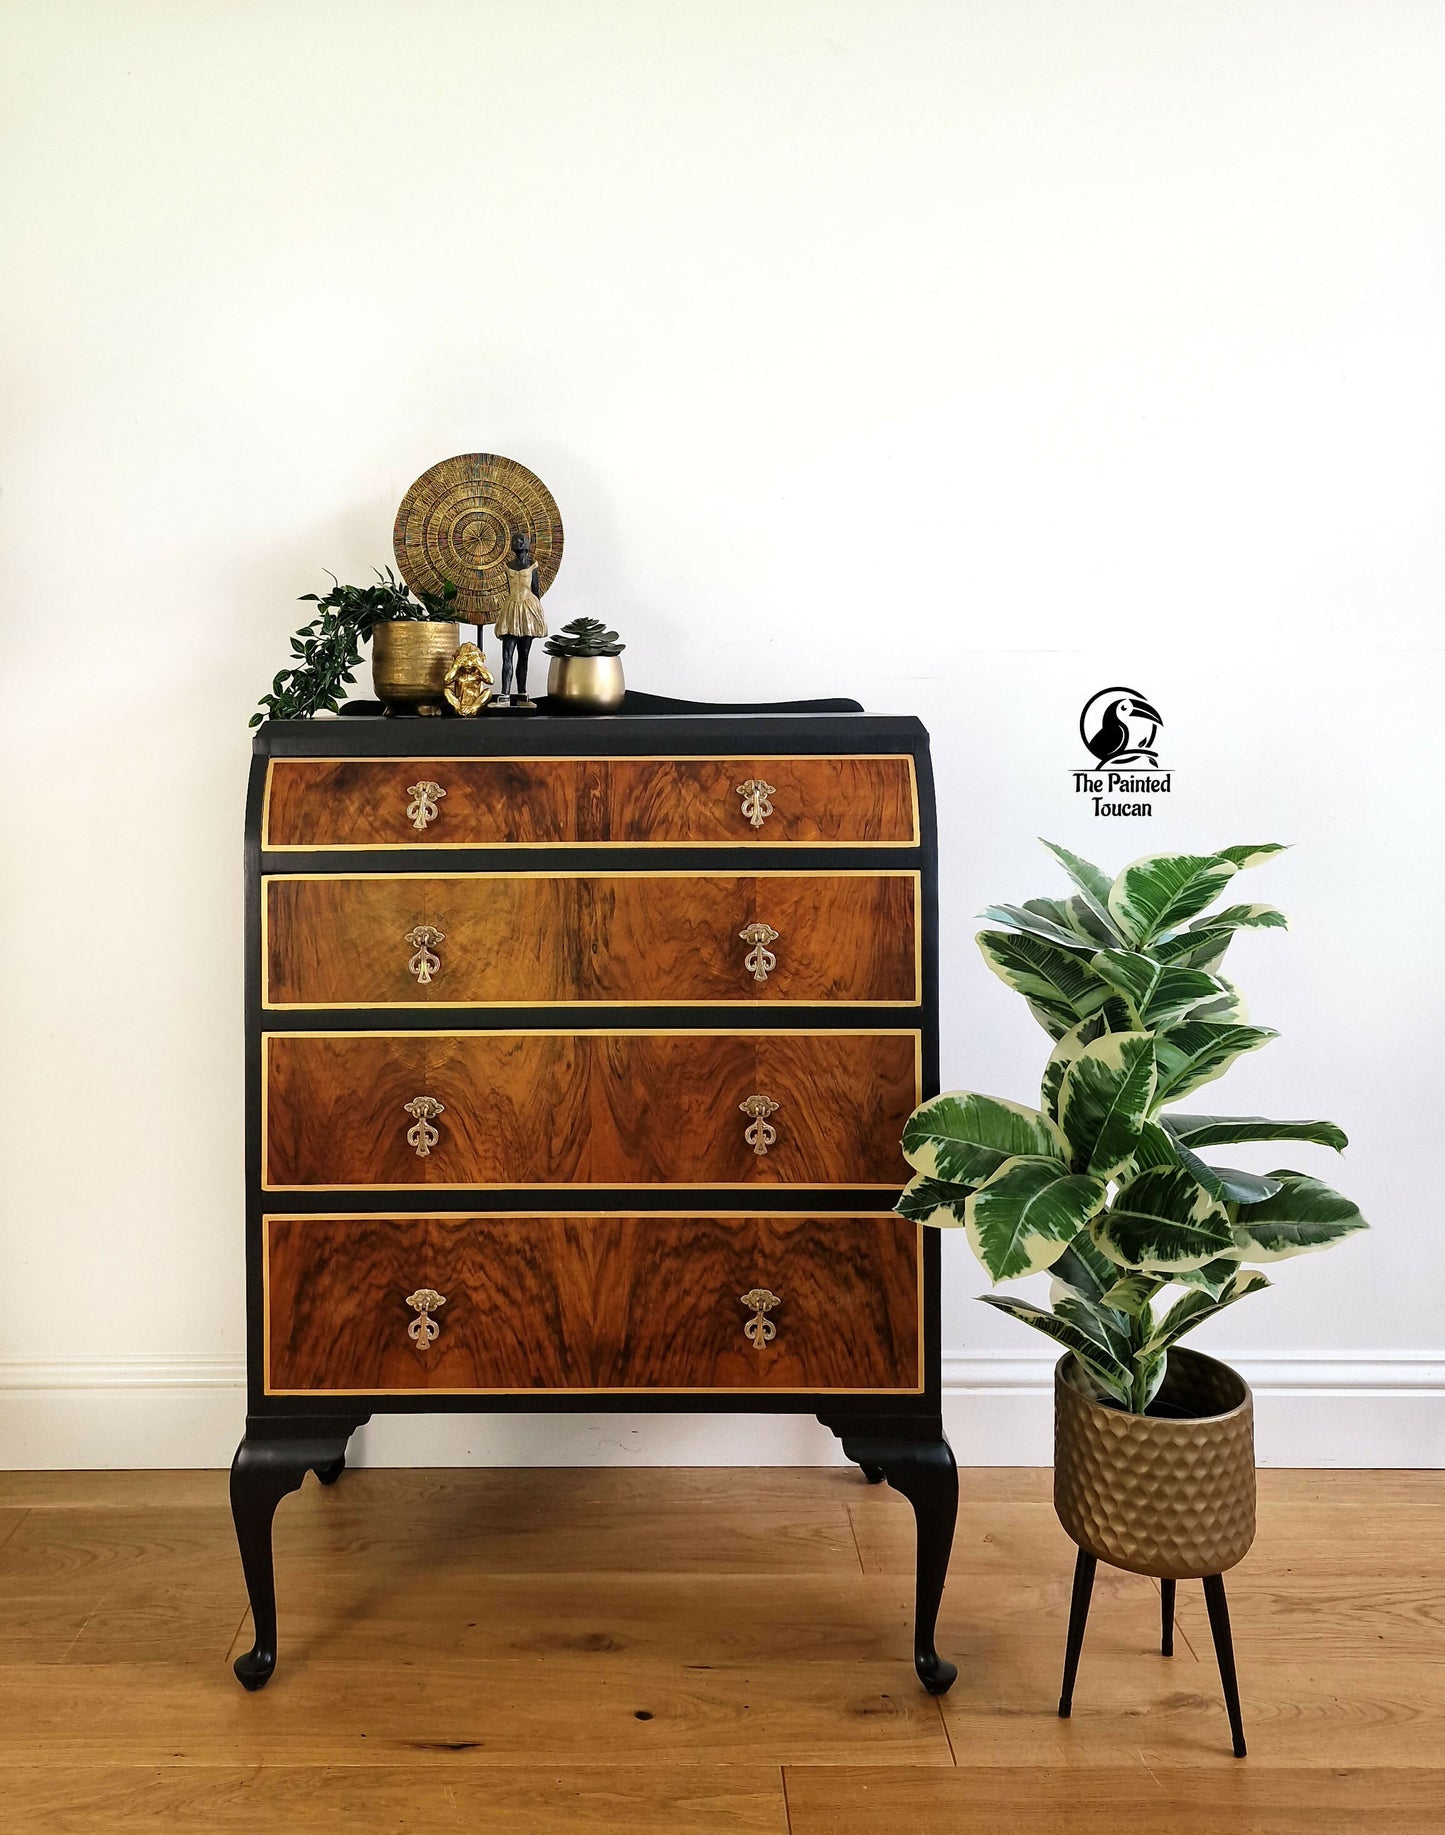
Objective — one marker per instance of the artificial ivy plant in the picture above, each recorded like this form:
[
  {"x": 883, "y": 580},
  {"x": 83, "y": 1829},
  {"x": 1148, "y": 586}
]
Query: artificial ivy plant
[
  {"x": 327, "y": 652},
  {"x": 1103, "y": 1183}
]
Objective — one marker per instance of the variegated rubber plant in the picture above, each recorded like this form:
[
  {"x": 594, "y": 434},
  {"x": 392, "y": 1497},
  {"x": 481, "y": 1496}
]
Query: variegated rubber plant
[{"x": 1103, "y": 1184}]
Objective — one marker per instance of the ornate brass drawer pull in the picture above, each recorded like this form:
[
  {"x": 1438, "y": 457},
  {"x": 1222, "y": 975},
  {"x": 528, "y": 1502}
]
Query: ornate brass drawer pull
[
  {"x": 423, "y": 805},
  {"x": 755, "y": 792},
  {"x": 760, "y": 960},
  {"x": 424, "y": 1330},
  {"x": 759, "y": 1330},
  {"x": 425, "y": 963},
  {"x": 760, "y": 1134},
  {"x": 424, "y": 1111}
]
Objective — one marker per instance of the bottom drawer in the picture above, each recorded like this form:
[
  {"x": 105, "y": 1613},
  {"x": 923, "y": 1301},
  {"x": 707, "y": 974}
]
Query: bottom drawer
[{"x": 516, "y": 1302}]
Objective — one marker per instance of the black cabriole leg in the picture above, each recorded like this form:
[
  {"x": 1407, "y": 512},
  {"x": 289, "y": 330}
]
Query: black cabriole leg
[
  {"x": 1224, "y": 1650},
  {"x": 264, "y": 1470},
  {"x": 873, "y": 1473},
  {"x": 924, "y": 1471},
  {"x": 1166, "y": 1617},
  {"x": 1084, "y": 1568}
]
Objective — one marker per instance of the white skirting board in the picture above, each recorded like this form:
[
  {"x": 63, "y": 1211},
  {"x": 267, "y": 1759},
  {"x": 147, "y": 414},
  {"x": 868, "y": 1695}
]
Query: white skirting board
[{"x": 165, "y": 1413}]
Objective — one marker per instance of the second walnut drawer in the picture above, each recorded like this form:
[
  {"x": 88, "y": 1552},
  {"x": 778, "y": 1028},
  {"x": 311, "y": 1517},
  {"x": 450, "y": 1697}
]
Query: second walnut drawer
[{"x": 532, "y": 939}]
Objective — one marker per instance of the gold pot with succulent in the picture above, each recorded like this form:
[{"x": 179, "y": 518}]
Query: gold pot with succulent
[
  {"x": 413, "y": 641},
  {"x": 585, "y": 675},
  {"x": 1102, "y": 1186}
]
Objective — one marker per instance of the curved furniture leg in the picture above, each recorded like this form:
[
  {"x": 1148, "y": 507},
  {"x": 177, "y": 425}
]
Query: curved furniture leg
[
  {"x": 1224, "y": 1650},
  {"x": 265, "y": 1469},
  {"x": 328, "y": 1474},
  {"x": 1166, "y": 1618},
  {"x": 873, "y": 1473},
  {"x": 1084, "y": 1569},
  {"x": 921, "y": 1466}
]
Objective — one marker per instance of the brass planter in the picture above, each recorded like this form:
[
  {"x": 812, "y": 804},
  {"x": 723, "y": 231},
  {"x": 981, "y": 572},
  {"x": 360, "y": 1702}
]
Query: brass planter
[
  {"x": 409, "y": 662},
  {"x": 585, "y": 684},
  {"x": 1170, "y": 1495}
]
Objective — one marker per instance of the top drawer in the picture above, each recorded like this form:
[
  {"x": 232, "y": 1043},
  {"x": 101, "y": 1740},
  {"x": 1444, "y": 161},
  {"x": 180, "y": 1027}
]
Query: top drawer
[{"x": 547, "y": 802}]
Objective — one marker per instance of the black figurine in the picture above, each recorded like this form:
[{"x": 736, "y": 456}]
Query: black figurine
[{"x": 519, "y": 620}]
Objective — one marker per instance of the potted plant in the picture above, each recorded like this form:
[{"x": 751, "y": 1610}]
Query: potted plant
[
  {"x": 413, "y": 640},
  {"x": 1104, "y": 1185},
  {"x": 585, "y": 676}
]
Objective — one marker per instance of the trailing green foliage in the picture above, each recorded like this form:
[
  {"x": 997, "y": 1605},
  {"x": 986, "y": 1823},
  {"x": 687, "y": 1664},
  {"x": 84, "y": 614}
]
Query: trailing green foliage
[
  {"x": 584, "y": 637},
  {"x": 1099, "y": 1184},
  {"x": 327, "y": 651}
]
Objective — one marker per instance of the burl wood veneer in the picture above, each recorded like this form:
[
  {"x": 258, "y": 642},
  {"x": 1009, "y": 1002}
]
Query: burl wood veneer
[
  {"x": 615, "y": 1108},
  {"x": 541, "y": 939},
  {"x": 592, "y": 1303},
  {"x": 522, "y": 802}
]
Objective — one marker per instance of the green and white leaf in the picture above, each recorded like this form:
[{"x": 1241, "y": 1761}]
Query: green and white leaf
[
  {"x": 1108, "y": 1328},
  {"x": 1161, "y": 891},
  {"x": 1163, "y": 1221},
  {"x": 1093, "y": 884},
  {"x": 1230, "y": 1005},
  {"x": 1153, "y": 1148},
  {"x": 933, "y": 1202},
  {"x": 1201, "y": 949},
  {"x": 1021, "y": 1219},
  {"x": 1106, "y": 1370},
  {"x": 962, "y": 1139},
  {"x": 1228, "y": 1130},
  {"x": 1213, "y": 1277},
  {"x": 1055, "y": 1022},
  {"x": 1104, "y": 1099},
  {"x": 1158, "y": 993},
  {"x": 1197, "y": 1051},
  {"x": 1194, "y": 1307},
  {"x": 1082, "y": 1271},
  {"x": 1241, "y": 917},
  {"x": 1227, "y": 1183},
  {"x": 1252, "y": 856},
  {"x": 1303, "y": 1215},
  {"x": 1073, "y": 916},
  {"x": 1054, "y": 980},
  {"x": 1113, "y": 1016},
  {"x": 1132, "y": 1293},
  {"x": 1019, "y": 917}
]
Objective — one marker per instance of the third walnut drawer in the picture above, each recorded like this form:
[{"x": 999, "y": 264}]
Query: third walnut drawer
[
  {"x": 542, "y": 802},
  {"x": 571, "y": 1302},
  {"x": 473, "y": 1109},
  {"x": 536, "y": 939}
]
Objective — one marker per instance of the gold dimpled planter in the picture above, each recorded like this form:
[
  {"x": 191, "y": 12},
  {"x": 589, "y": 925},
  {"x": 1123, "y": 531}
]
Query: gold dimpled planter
[{"x": 1170, "y": 1495}]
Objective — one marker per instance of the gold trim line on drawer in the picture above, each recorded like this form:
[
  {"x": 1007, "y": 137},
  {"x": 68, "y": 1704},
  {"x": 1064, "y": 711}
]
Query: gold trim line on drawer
[
  {"x": 462, "y": 1006},
  {"x": 592, "y": 1032},
  {"x": 751, "y": 839},
  {"x": 270, "y": 1217}
]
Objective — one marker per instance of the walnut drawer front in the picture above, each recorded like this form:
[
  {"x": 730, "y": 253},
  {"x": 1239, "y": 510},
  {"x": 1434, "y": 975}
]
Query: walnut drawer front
[
  {"x": 509, "y": 1303},
  {"x": 534, "y": 939},
  {"x": 546, "y": 802},
  {"x": 420, "y": 1109}
]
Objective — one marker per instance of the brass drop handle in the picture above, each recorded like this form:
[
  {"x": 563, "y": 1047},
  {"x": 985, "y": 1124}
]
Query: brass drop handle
[
  {"x": 760, "y": 1134},
  {"x": 423, "y": 1136},
  {"x": 760, "y": 960},
  {"x": 760, "y": 1330},
  {"x": 424, "y": 1330},
  {"x": 423, "y": 805},
  {"x": 755, "y": 792},
  {"x": 426, "y": 962}
]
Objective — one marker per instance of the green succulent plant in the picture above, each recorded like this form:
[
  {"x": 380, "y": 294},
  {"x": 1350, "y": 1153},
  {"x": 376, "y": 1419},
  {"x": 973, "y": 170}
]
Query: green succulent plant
[
  {"x": 327, "y": 652},
  {"x": 584, "y": 637},
  {"x": 1103, "y": 1184}
]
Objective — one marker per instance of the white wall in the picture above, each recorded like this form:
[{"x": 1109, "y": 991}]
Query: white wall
[{"x": 966, "y": 357}]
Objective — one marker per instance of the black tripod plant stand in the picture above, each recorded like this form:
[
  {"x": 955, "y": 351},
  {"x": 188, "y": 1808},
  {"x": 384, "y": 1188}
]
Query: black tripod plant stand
[{"x": 1218, "y": 1607}]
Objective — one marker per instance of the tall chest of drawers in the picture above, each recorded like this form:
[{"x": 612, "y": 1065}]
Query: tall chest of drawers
[{"x": 578, "y": 1055}]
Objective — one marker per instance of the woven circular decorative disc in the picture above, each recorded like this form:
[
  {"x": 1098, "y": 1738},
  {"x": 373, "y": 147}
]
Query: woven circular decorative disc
[{"x": 457, "y": 521}]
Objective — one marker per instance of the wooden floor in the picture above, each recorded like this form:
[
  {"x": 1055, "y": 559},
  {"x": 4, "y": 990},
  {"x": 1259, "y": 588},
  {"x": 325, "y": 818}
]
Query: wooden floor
[{"x": 697, "y": 1652}]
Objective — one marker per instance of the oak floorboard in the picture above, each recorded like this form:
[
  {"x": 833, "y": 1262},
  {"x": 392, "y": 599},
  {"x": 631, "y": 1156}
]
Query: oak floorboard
[
  {"x": 1244, "y": 1799},
  {"x": 408, "y": 1799},
  {"x": 577, "y": 1711}
]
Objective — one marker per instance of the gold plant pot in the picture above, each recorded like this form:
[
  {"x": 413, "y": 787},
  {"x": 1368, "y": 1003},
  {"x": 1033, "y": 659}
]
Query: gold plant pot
[
  {"x": 409, "y": 662},
  {"x": 1171, "y": 1494},
  {"x": 585, "y": 684}
]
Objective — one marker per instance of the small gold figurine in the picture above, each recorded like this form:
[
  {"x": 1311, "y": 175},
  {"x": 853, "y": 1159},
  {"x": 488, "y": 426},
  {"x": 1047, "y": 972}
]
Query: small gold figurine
[{"x": 469, "y": 681}]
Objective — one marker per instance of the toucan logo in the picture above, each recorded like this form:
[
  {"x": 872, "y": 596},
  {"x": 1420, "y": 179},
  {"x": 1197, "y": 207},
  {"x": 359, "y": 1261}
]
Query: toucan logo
[{"x": 1119, "y": 726}]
